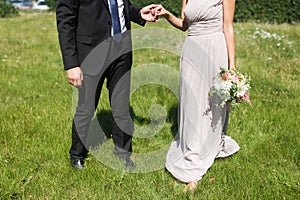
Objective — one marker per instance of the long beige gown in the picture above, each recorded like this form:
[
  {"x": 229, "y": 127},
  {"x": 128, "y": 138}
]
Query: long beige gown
[{"x": 201, "y": 138}]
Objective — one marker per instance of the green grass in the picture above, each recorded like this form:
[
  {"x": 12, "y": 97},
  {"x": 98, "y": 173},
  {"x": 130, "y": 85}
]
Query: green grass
[{"x": 36, "y": 113}]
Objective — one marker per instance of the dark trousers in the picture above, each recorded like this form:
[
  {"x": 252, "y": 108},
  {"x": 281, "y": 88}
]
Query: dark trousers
[{"x": 118, "y": 85}]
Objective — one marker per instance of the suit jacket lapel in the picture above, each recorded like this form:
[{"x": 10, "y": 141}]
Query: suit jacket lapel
[
  {"x": 126, "y": 13},
  {"x": 106, "y": 4}
]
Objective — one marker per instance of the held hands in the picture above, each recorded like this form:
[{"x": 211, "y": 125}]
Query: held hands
[
  {"x": 151, "y": 12},
  {"x": 75, "y": 76}
]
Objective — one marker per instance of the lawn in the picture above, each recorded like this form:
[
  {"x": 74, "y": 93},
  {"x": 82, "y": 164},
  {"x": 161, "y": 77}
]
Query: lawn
[{"x": 36, "y": 113}]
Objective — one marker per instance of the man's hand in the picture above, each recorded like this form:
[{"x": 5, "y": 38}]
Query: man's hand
[
  {"x": 75, "y": 76},
  {"x": 148, "y": 13}
]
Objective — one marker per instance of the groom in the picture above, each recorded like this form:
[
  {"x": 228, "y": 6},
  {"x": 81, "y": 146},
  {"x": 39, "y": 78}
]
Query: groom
[{"x": 82, "y": 26}]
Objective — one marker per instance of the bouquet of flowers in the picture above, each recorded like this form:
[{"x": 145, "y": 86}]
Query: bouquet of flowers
[{"x": 232, "y": 87}]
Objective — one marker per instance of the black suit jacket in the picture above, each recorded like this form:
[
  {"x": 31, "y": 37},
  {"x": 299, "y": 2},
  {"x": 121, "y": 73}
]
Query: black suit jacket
[{"x": 83, "y": 24}]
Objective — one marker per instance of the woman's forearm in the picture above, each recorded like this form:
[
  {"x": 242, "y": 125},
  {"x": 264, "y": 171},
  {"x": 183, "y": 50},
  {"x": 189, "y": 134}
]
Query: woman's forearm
[
  {"x": 176, "y": 22},
  {"x": 229, "y": 37},
  {"x": 179, "y": 23},
  {"x": 228, "y": 8}
]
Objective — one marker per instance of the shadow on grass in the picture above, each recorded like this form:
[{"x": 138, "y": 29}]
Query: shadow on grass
[
  {"x": 173, "y": 119},
  {"x": 104, "y": 119}
]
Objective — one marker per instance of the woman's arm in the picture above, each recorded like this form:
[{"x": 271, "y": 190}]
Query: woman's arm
[
  {"x": 179, "y": 23},
  {"x": 228, "y": 10}
]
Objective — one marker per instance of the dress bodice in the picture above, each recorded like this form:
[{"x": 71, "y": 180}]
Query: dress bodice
[{"x": 204, "y": 16}]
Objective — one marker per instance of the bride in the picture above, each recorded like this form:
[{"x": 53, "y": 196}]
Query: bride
[{"x": 209, "y": 45}]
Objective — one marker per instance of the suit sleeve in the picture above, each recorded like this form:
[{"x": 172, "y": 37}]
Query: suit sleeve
[
  {"x": 135, "y": 15},
  {"x": 67, "y": 18}
]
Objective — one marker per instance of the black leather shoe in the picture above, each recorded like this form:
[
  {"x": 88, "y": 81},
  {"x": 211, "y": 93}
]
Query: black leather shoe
[
  {"x": 129, "y": 164},
  {"x": 77, "y": 163}
]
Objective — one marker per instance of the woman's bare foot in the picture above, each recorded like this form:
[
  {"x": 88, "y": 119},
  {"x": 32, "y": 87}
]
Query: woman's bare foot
[{"x": 191, "y": 186}]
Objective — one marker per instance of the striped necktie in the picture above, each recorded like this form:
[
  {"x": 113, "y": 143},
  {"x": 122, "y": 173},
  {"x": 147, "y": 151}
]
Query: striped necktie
[{"x": 115, "y": 17}]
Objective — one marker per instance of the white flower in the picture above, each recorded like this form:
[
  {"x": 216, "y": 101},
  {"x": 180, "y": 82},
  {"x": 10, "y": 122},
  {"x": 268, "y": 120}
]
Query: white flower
[
  {"x": 227, "y": 85},
  {"x": 230, "y": 91}
]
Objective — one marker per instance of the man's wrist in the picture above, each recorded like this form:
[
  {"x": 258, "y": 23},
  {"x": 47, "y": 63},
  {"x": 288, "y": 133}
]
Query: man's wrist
[
  {"x": 68, "y": 68},
  {"x": 142, "y": 21}
]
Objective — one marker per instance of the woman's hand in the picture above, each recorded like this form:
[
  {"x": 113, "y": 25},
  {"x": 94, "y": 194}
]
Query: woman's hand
[
  {"x": 231, "y": 66},
  {"x": 160, "y": 11}
]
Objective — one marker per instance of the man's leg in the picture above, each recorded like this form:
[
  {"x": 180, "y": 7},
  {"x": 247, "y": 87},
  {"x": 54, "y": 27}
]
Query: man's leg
[
  {"x": 88, "y": 97},
  {"x": 118, "y": 84}
]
